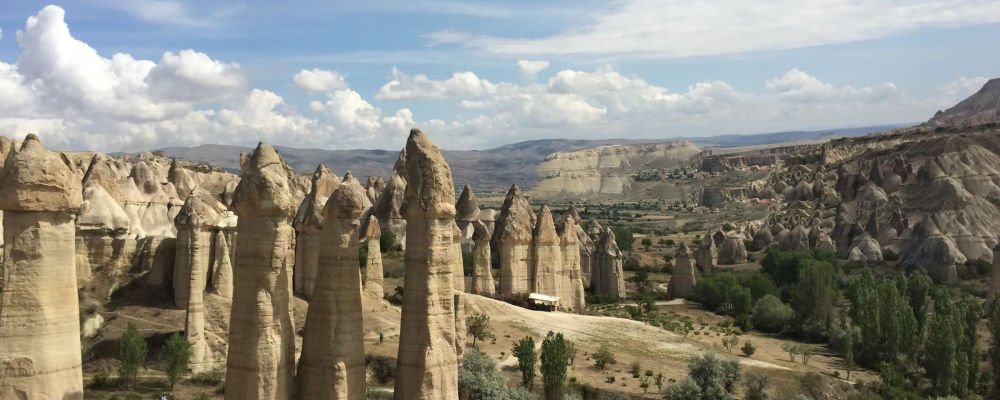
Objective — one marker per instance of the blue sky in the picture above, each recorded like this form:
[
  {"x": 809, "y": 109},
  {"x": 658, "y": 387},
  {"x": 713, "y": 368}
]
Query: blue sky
[{"x": 347, "y": 75}]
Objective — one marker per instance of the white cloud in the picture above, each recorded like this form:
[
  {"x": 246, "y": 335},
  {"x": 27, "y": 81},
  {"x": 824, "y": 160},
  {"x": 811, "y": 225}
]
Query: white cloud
[
  {"x": 159, "y": 11},
  {"x": 528, "y": 70},
  {"x": 402, "y": 86},
  {"x": 961, "y": 88},
  {"x": 76, "y": 98},
  {"x": 190, "y": 76},
  {"x": 678, "y": 28},
  {"x": 320, "y": 81}
]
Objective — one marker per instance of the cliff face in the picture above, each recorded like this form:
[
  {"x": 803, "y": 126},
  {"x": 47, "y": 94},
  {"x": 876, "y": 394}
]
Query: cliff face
[
  {"x": 980, "y": 108},
  {"x": 606, "y": 170}
]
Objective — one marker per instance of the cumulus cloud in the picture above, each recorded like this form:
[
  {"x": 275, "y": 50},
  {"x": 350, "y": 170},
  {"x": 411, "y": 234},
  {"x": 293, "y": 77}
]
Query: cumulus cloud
[
  {"x": 190, "y": 76},
  {"x": 961, "y": 88},
  {"x": 402, "y": 86},
  {"x": 77, "y": 98},
  {"x": 320, "y": 81},
  {"x": 677, "y": 28},
  {"x": 528, "y": 70},
  {"x": 159, "y": 11}
]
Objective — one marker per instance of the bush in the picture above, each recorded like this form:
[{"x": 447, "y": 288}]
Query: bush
[
  {"x": 383, "y": 368},
  {"x": 623, "y": 238},
  {"x": 480, "y": 379},
  {"x": 760, "y": 285},
  {"x": 635, "y": 368},
  {"x": 889, "y": 255},
  {"x": 555, "y": 359},
  {"x": 603, "y": 357},
  {"x": 524, "y": 350},
  {"x": 748, "y": 348},
  {"x": 685, "y": 389},
  {"x": 208, "y": 378},
  {"x": 387, "y": 241},
  {"x": 131, "y": 353},
  {"x": 784, "y": 266},
  {"x": 771, "y": 315}
]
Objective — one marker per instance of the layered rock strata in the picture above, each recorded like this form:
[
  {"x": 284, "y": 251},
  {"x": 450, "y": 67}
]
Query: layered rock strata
[{"x": 373, "y": 263}]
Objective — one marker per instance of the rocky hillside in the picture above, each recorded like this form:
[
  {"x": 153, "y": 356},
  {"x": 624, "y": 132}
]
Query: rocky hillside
[
  {"x": 607, "y": 171},
  {"x": 980, "y": 108}
]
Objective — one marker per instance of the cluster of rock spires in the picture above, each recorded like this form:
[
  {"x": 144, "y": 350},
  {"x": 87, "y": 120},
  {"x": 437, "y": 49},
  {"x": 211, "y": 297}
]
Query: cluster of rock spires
[{"x": 929, "y": 196}]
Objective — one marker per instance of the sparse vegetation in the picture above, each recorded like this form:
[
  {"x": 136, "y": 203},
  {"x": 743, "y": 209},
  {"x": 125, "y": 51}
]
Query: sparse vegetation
[
  {"x": 177, "y": 352},
  {"x": 603, "y": 357},
  {"x": 131, "y": 354},
  {"x": 524, "y": 350},
  {"x": 478, "y": 326}
]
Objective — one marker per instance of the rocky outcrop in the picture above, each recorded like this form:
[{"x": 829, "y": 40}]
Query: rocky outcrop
[
  {"x": 460, "y": 329},
  {"x": 931, "y": 250},
  {"x": 457, "y": 260},
  {"x": 387, "y": 210},
  {"x": 606, "y": 170},
  {"x": 733, "y": 250},
  {"x": 571, "y": 274},
  {"x": 512, "y": 238},
  {"x": 261, "y": 360},
  {"x": 587, "y": 247},
  {"x": 467, "y": 208},
  {"x": 333, "y": 352},
  {"x": 865, "y": 249},
  {"x": 195, "y": 223},
  {"x": 427, "y": 366},
  {"x": 39, "y": 309},
  {"x": 707, "y": 255},
  {"x": 482, "y": 272},
  {"x": 682, "y": 281},
  {"x": 308, "y": 222},
  {"x": 762, "y": 239},
  {"x": 103, "y": 248},
  {"x": 373, "y": 262},
  {"x": 608, "y": 265},
  {"x": 547, "y": 258}
]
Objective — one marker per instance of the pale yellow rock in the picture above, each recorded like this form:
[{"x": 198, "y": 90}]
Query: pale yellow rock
[
  {"x": 707, "y": 254},
  {"x": 547, "y": 257},
  {"x": 387, "y": 209},
  {"x": 512, "y": 237},
  {"x": 195, "y": 223},
  {"x": 571, "y": 274},
  {"x": 427, "y": 366},
  {"x": 683, "y": 280},
  {"x": 101, "y": 243},
  {"x": 222, "y": 265},
  {"x": 332, "y": 365},
  {"x": 373, "y": 264},
  {"x": 609, "y": 266},
  {"x": 308, "y": 222},
  {"x": 39, "y": 309},
  {"x": 467, "y": 208},
  {"x": 482, "y": 275},
  {"x": 457, "y": 262},
  {"x": 461, "y": 331},
  {"x": 733, "y": 250},
  {"x": 261, "y": 359}
]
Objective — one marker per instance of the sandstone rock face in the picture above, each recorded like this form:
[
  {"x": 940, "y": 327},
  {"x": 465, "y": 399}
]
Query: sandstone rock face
[
  {"x": 261, "y": 360},
  {"x": 467, "y": 208},
  {"x": 571, "y": 274},
  {"x": 195, "y": 223},
  {"x": 931, "y": 250},
  {"x": 683, "y": 280},
  {"x": 482, "y": 274},
  {"x": 39, "y": 309},
  {"x": 101, "y": 242},
  {"x": 707, "y": 255},
  {"x": 427, "y": 366},
  {"x": 733, "y": 250},
  {"x": 605, "y": 171},
  {"x": 587, "y": 248},
  {"x": 547, "y": 258},
  {"x": 460, "y": 329},
  {"x": 333, "y": 351},
  {"x": 762, "y": 239},
  {"x": 373, "y": 263},
  {"x": 512, "y": 238},
  {"x": 222, "y": 265},
  {"x": 457, "y": 262},
  {"x": 308, "y": 222},
  {"x": 609, "y": 266},
  {"x": 387, "y": 209}
]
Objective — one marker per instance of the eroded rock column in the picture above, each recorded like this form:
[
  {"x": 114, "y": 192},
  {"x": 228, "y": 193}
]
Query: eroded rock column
[
  {"x": 547, "y": 257},
  {"x": 482, "y": 274},
  {"x": 513, "y": 237},
  {"x": 333, "y": 350},
  {"x": 571, "y": 273},
  {"x": 261, "y": 360},
  {"x": 427, "y": 366},
  {"x": 39, "y": 310},
  {"x": 373, "y": 264},
  {"x": 682, "y": 281},
  {"x": 307, "y": 226},
  {"x": 195, "y": 222}
]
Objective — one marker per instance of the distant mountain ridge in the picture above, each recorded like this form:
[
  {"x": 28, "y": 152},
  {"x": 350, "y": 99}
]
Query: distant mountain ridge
[
  {"x": 483, "y": 169},
  {"x": 981, "y": 108}
]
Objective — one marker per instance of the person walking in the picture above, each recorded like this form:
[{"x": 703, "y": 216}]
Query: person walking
[{"x": 381, "y": 337}]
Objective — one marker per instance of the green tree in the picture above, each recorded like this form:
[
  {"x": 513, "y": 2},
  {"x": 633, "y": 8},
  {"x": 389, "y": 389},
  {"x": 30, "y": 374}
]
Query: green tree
[
  {"x": 603, "y": 357},
  {"x": 131, "y": 353},
  {"x": 756, "y": 383},
  {"x": 918, "y": 292},
  {"x": 478, "y": 326},
  {"x": 993, "y": 313},
  {"x": 941, "y": 349},
  {"x": 479, "y": 378},
  {"x": 771, "y": 315},
  {"x": 387, "y": 241},
  {"x": 623, "y": 238},
  {"x": 813, "y": 297},
  {"x": 723, "y": 294},
  {"x": 760, "y": 285},
  {"x": 686, "y": 389},
  {"x": 647, "y": 242},
  {"x": 524, "y": 350},
  {"x": 177, "y": 352},
  {"x": 555, "y": 360},
  {"x": 716, "y": 377}
]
